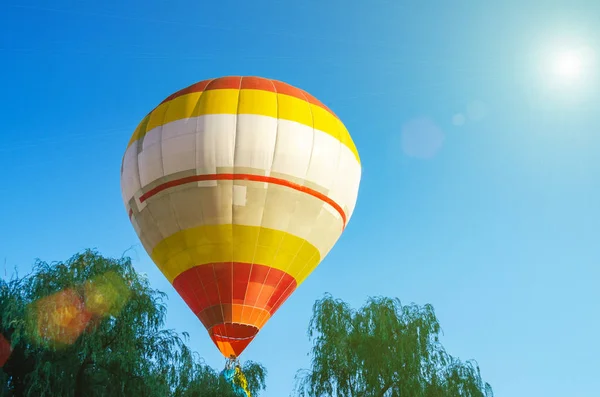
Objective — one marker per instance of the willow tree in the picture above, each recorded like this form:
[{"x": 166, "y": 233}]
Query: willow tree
[
  {"x": 91, "y": 326},
  {"x": 384, "y": 349}
]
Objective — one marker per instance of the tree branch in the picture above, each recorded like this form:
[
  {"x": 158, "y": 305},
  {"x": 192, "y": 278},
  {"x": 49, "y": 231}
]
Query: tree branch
[
  {"x": 79, "y": 378},
  {"x": 386, "y": 387}
]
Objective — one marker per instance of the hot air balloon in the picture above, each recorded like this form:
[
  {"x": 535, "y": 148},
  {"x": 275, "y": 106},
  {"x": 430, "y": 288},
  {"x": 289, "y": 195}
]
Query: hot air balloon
[{"x": 238, "y": 187}]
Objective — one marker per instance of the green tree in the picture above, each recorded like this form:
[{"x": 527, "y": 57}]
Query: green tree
[
  {"x": 384, "y": 349},
  {"x": 91, "y": 326}
]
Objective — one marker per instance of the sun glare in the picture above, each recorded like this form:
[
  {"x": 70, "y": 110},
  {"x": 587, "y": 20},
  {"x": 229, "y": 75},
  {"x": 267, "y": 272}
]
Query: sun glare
[
  {"x": 568, "y": 65},
  {"x": 567, "y": 69}
]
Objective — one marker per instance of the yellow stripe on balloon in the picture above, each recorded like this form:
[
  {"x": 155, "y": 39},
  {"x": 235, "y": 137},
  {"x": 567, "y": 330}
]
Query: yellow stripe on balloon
[
  {"x": 246, "y": 101},
  {"x": 253, "y": 244}
]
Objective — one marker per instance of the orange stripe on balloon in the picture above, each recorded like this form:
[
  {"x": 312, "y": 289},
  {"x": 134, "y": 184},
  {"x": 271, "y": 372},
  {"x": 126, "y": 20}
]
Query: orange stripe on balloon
[
  {"x": 234, "y": 300},
  {"x": 232, "y": 339},
  {"x": 233, "y": 291},
  {"x": 245, "y": 177}
]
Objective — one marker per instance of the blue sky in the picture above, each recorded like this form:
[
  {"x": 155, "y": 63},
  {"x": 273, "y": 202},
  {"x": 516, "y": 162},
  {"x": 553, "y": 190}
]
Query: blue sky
[{"x": 497, "y": 227}]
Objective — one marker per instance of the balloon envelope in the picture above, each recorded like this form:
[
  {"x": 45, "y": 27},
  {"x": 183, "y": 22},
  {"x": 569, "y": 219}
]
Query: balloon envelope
[{"x": 238, "y": 187}]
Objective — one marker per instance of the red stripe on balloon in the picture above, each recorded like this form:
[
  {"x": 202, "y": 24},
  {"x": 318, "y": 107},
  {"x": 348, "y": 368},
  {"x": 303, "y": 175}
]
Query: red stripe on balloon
[
  {"x": 231, "y": 299},
  {"x": 233, "y": 283},
  {"x": 245, "y": 177}
]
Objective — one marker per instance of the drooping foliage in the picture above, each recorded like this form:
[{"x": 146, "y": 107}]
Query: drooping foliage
[
  {"x": 92, "y": 326},
  {"x": 384, "y": 349}
]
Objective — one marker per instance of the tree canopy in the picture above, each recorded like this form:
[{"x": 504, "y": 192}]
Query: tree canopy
[
  {"x": 384, "y": 349},
  {"x": 92, "y": 326}
]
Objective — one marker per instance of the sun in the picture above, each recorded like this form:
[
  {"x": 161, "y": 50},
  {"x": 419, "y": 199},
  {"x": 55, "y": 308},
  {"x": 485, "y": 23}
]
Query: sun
[
  {"x": 567, "y": 69},
  {"x": 571, "y": 67},
  {"x": 568, "y": 65}
]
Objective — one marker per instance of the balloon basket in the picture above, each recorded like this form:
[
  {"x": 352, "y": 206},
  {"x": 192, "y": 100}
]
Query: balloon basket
[{"x": 233, "y": 375}]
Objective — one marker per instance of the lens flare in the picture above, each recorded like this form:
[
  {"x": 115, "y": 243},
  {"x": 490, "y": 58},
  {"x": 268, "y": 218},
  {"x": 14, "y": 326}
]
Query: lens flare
[
  {"x": 421, "y": 138},
  {"x": 106, "y": 295},
  {"x": 61, "y": 318},
  {"x": 5, "y": 350}
]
